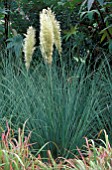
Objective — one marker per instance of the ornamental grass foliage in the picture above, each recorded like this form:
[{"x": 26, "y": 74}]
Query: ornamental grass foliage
[{"x": 61, "y": 107}]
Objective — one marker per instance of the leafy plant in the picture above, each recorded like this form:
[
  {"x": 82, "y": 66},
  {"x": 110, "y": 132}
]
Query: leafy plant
[
  {"x": 90, "y": 3},
  {"x": 15, "y": 154},
  {"x": 95, "y": 157},
  {"x": 101, "y": 16},
  {"x": 2, "y": 14},
  {"x": 15, "y": 44}
]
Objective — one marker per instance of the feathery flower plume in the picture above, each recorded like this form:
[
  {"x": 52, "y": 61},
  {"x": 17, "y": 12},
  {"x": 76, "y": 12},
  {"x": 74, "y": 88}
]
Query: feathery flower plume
[
  {"x": 46, "y": 36},
  {"x": 56, "y": 30},
  {"x": 49, "y": 34},
  {"x": 29, "y": 48}
]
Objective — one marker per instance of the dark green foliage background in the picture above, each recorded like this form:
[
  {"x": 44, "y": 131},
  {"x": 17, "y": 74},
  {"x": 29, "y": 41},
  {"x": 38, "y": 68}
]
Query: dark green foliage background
[{"x": 81, "y": 43}]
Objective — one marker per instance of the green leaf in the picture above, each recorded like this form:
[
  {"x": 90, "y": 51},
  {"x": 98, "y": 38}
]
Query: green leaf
[
  {"x": 101, "y": 2},
  {"x": 105, "y": 33},
  {"x": 76, "y": 59},
  {"x": 15, "y": 43},
  {"x": 90, "y": 3},
  {"x": 104, "y": 36},
  {"x": 70, "y": 32},
  {"x": 107, "y": 4},
  {"x": 82, "y": 60},
  {"x": 90, "y": 15},
  {"x": 110, "y": 46},
  {"x": 83, "y": 14},
  {"x": 1, "y": 28},
  {"x": 2, "y": 11},
  {"x": 108, "y": 27}
]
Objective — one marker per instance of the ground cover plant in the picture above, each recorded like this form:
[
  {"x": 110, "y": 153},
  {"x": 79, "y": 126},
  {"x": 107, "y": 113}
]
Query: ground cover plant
[{"x": 16, "y": 154}]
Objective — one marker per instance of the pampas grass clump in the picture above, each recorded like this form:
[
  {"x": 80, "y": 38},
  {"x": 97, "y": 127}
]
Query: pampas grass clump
[
  {"x": 49, "y": 34},
  {"x": 28, "y": 47}
]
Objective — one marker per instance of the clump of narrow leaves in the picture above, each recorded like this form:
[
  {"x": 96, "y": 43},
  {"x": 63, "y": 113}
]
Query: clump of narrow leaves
[
  {"x": 94, "y": 158},
  {"x": 15, "y": 154}
]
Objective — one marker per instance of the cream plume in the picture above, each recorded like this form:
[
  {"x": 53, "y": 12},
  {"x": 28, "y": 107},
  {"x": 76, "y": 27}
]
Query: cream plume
[
  {"x": 49, "y": 34},
  {"x": 29, "y": 48}
]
